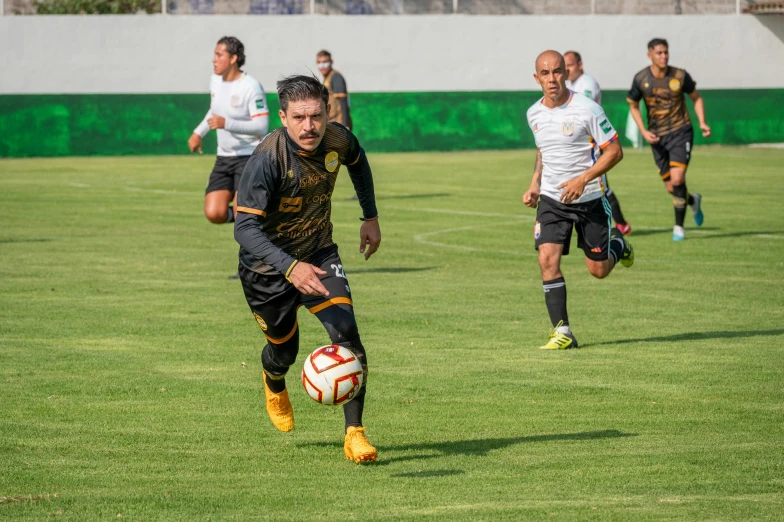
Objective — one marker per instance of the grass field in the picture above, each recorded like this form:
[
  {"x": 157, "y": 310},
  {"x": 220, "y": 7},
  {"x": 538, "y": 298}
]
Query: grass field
[{"x": 129, "y": 369}]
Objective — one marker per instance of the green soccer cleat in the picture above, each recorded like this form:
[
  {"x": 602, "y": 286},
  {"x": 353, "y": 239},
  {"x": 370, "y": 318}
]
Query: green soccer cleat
[{"x": 559, "y": 341}]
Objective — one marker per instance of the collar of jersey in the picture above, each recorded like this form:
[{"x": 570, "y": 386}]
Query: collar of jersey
[{"x": 571, "y": 95}]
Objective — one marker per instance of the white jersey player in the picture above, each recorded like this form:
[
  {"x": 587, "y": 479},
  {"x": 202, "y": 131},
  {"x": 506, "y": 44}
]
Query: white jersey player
[
  {"x": 566, "y": 189},
  {"x": 580, "y": 82},
  {"x": 239, "y": 114}
]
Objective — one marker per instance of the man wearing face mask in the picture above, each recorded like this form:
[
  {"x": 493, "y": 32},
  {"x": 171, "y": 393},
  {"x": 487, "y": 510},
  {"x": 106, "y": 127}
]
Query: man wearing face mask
[{"x": 338, "y": 92}]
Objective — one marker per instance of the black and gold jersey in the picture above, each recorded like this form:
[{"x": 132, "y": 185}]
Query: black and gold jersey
[
  {"x": 291, "y": 190},
  {"x": 665, "y": 98}
]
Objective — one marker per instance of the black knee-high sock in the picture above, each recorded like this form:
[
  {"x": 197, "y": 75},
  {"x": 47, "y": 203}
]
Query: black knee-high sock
[
  {"x": 679, "y": 198},
  {"x": 275, "y": 385},
  {"x": 616, "y": 248},
  {"x": 353, "y": 409},
  {"x": 616, "y": 208},
  {"x": 555, "y": 299},
  {"x": 690, "y": 200}
]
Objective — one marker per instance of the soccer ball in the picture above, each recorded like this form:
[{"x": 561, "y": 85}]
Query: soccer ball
[{"x": 332, "y": 375}]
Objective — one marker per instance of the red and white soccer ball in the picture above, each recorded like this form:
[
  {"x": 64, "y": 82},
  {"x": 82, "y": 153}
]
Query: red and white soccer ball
[{"x": 332, "y": 375}]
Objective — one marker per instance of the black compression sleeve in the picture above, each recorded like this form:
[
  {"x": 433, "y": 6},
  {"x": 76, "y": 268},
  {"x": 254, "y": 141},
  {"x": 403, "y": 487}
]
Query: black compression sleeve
[
  {"x": 362, "y": 178},
  {"x": 248, "y": 233}
]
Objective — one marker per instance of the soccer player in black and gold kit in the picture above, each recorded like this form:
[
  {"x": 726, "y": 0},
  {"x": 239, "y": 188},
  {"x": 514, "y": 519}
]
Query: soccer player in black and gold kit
[
  {"x": 669, "y": 129},
  {"x": 287, "y": 256}
]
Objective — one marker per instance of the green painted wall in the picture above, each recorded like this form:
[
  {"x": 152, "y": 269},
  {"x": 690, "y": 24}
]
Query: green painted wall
[{"x": 117, "y": 124}]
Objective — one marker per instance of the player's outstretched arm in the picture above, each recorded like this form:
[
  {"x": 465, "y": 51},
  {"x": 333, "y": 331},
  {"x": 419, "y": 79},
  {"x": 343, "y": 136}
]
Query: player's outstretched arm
[
  {"x": 699, "y": 109},
  {"x": 531, "y": 195}
]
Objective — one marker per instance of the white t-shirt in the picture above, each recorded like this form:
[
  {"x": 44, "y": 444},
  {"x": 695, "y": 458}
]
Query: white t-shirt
[
  {"x": 244, "y": 106},
  {"x": 569, "y": 138},
  {"x": 587, "y": 86}
]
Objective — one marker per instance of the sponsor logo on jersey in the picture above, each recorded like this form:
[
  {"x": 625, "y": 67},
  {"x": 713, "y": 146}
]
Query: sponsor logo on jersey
[
  {"x": 332, "y": 161},
  {"x": 290, "y": 173},
  {"x": 647, "y": 85},
  {"x": 313, "y": 179},
  {"x": 536, "y": 127},
  {"x": 260, "y": 103},
  {"x": 235, "y": 100},
  {"x": 568, "y": 128},
  {"x": 605, "y": 126},
  {"x": 598, "y": 250},
  {"x": 537, "y": 230},
  {"x": 290, "y": 204},
  {"x": 675, "y": 84},
  {"x": 261, "y": 322},
  {"x": 318, "y": 199},
  {"x": 303, "y": 226}
]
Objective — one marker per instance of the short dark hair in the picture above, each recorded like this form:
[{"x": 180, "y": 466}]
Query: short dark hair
[
  {"x": 324, "y": 52},
  {"x": 299, "y": 87},
  {"x": 234, "y": 46},
  {"x": 657, "y": 41},
  {"x": 576, "y": 55}
]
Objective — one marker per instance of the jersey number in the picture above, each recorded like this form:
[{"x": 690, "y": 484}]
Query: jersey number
[{"x": 339, "y": 271}]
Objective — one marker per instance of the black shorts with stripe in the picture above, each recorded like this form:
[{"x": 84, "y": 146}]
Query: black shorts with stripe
[
  {"x": 555, "y": 221},
  {"x": 673, "y": 150},
  {"x": 226, "y": 173},
  {"x": 274, "y": 301}
]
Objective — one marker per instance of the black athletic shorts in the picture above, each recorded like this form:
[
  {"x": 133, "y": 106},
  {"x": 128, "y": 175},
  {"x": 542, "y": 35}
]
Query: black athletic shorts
[
  {"x": 226, "y": 173},
  {"x": 673, "y": 150},
  {"x": 274, "y": 301},
  {"x": 554, "y": 222}
]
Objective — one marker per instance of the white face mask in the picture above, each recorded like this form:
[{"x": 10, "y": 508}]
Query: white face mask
[{"x": 324, "y": 65}]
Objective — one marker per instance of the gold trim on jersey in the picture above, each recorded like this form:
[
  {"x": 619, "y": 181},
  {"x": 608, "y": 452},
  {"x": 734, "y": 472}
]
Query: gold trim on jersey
[{"x": 249, "y": 210}]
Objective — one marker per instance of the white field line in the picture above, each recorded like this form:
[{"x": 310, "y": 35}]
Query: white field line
[{"x": 423, "y": 239}]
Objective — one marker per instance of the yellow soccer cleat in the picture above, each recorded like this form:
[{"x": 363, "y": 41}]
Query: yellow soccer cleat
[
  {"x": 559, "y": 340},
  {"x": 356, "y": 446},
  {"x": 279, "y": 408}
]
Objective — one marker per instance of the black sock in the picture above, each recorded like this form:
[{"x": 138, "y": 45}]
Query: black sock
[
  {"x": 230, "y": 215},
  {"x": 275, "y": 385},
  {"x": 555, "y": 299},
  {"x": 616, "y": 208},
  {"x": 679, "y": 195},
  {"x": 616, "y": 248},
  {"x": 353, "y": 409},
  {"x": 690, "y": 200}
]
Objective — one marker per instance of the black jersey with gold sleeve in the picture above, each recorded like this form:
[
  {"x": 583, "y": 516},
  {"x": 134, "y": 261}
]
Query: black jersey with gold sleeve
[
  {"x": 289, "y": 191},
  {"x": 664, "y": 98}
]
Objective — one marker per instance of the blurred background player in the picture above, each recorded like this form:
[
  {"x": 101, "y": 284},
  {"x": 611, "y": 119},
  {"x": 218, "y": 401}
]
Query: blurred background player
[
  {"x": 339, "y": 109},
  {"x": 566, "y": 185},
  {"x": 239, "y": 114},
  {"x": 287, "y": 256},
  {"x": 585, "y": 84},
  {"x": 669, "y": 129}
]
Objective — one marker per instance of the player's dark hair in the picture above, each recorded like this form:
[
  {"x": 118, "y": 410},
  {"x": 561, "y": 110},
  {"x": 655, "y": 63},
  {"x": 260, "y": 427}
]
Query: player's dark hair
[
  {"x": 576, "y": 55},
  {"x": 299, "y": 87},
  {"x": 657, "y": 41},
  {"x": 234, "y": 46},
  {"x": 324, "y": 52}
]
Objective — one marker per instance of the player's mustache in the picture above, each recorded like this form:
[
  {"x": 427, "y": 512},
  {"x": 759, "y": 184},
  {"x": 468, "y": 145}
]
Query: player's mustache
[{"x": 310, "y": 134}]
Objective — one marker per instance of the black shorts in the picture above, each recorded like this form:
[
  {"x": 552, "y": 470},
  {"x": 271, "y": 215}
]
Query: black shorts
[
  {"x": 274, "y": 301},
  {"x": 226, "y": 173},
  {"x": 592, "y": 219},
  {"x": 673, "y": 150}
]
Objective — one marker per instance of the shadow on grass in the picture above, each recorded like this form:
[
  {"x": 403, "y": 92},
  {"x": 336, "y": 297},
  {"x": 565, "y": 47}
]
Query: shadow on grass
[
  {"x": 692, "y": 336},
  {"x": 429, "y": 474},
  {"x": 476, "y": 447},
  {"x": 416, "y": 196},
  {"x": 24, "y": 240},
  {"x": 390, "y": 270}
]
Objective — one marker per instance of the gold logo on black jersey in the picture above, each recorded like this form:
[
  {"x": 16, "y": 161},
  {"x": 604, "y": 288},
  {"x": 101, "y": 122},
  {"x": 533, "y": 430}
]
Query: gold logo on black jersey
[
  {"x": 675, "y": 84},
  {"x": 261, "y": 322},
  {"x": 290, "y": 174},
  {"x": 290, "y": 204},
  {"x": 332, "y": 161}
]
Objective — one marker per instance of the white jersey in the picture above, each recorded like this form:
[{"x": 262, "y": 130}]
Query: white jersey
[
  {"x": 244, "y": 106},
  {"x": 569, "y": 138},
  {"x": 587, "y": 86}
]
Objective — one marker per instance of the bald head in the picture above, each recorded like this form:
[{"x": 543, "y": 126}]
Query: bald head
[
  {"x": 551, "y": 76},
  {"x": 549, "y": 60}
]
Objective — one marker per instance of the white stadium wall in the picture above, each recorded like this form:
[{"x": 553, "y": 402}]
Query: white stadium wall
[{"x": 171, "y": 54}]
